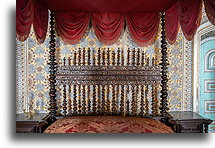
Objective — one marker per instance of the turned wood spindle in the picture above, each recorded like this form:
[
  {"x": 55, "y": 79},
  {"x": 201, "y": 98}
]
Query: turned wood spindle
[
  {"x": 79, "y": 100},
  {"x": 94, "y": 100},
  {"x": 113, "y": 100},
  {"x": 154, "y": 101},
  {"x": 84, "y": 104},
  {"x": 52, "y": 69},
  {"x": 122, "y": 101},
  {"x": 108, "y": 100},
  {"x": 98, "y": 99},
  {"x": 127, "y": 102},
  {"x": 142, "y": 104},
  {"x": 133, "y": 102},
  {"x": 103, "y": 100},
  {"x": 89, "y": 98},
  {"x": 75, "y": 100},
  {"x": 117, "y": 97},
  {"x": 146, "y": 100},
  {"x": 164, "y": 63},
  {"x": 69, "y": 101},
  {"x": 64, "y": 101}
]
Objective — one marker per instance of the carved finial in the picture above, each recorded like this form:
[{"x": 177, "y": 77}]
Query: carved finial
[
  {"x": 138, "y": 57},
  {"x": 69, "y": 61},
  {"x": 79, "y": 56},
  {"x": 133, "y": 57},
  {"x": 143, "y": 58},
  {"x": 128, "y": 57},
  {"x": 64, "y": 61},
  {"x": 118, "y": 57},
  {"x": 75, "y": 58},
  {"x": 84, "y": 55},
  {"x": 99, "y": 56},
  {"x": 103, "y": 57},
  {"x": 113, "y": 58},
  {"x": 123, "y": 60},
  {"x": 89, "y": 57},
  {"x": 108, "y": 57}
]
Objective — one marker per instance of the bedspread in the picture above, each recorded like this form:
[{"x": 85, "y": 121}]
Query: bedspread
[{"x": 107, "y": 124}]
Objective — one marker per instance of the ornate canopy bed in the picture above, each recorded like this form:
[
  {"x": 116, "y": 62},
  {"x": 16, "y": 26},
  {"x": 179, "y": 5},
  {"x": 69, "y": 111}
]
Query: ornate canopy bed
[{"x": 107, "y": 91}]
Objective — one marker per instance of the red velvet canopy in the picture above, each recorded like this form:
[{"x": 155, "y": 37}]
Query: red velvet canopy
[{"x": 109, "y": 18}]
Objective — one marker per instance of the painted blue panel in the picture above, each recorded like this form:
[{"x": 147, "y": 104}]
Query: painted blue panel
[{"x": 206, "y": 79}]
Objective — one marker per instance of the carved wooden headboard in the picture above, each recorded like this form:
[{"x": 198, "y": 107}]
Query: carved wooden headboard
[{"x": 105, "y": 81}]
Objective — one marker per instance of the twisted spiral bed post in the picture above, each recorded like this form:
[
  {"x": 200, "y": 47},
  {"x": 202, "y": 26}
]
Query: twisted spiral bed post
[
  {"x": 52, "y": 69},
  {"x": 164, "y": 79}
]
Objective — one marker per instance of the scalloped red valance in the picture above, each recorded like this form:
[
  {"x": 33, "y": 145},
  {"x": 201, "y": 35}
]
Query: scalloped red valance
[{"x": 73, "y": 17}]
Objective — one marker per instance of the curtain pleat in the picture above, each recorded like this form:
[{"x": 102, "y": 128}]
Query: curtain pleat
[
  {"x": 143, "y": 27},
  {"x": 71, "y": 26},
  {"x": 24, "y": 18},
  {"x": 108, "y": 27},
  {"x": 40, "y": 21},
  {"x": 172, "y": 24},
  {"x": 210, "y": 10},
  {"x": 190, "y": 12}
]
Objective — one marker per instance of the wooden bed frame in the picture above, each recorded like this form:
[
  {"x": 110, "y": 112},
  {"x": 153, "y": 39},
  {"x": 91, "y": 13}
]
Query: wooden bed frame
[{"x": 120, "y": 76}]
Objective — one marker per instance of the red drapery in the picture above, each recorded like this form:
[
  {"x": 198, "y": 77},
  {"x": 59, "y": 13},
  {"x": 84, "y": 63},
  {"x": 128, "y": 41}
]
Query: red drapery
[
  {"x": 24, "y": 18},
  {"x": 108, "y": 26},
  {"x": 71, "y": 26},
  {"x": 143, "y": 27},
  {"x": 172, "y": 25},
  {"x": 189, "y": 12},
  {"x": 210, "y": 10},
  {"x": 30, "y": 12},
  {"x": 40, "y": 22}
]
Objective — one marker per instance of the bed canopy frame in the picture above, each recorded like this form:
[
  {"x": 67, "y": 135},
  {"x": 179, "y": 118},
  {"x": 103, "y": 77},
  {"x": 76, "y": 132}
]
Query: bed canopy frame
[{"x": 142, "y": 74}]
